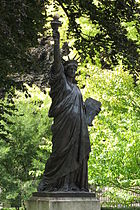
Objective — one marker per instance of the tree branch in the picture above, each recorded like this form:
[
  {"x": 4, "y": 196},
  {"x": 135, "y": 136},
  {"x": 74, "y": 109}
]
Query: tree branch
[{"x": 65, "y": 9}]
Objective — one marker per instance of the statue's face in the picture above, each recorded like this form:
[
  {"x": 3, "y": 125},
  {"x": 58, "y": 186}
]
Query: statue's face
[{"x": 71, "y": 70}]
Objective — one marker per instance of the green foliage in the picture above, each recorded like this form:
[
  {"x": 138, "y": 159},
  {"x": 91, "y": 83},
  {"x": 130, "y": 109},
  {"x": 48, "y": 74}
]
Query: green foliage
[
  {"x": 24, "y": 142},
  {"x": 105, "y": 29},
  {"x": 25, "y": 136},
  {"x": 114, "y": 196},
  {"x": 13, "y": 209},
  {"x": 120, "y": 208},
  {"x": 114, "y": 160},
  {"x": 20, "y": 23},
  {"x": 103, "y": 32}
]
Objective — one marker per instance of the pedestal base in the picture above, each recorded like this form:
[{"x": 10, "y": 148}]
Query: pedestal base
[{"x": 63, "y": 201}]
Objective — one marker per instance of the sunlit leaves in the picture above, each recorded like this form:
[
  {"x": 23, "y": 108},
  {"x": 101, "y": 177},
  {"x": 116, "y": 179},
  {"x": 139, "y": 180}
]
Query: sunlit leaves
[
  {"x": 115, "y": 158},
  {"x": 25, "y": 142},
  {"x": 107, "y": 30}
]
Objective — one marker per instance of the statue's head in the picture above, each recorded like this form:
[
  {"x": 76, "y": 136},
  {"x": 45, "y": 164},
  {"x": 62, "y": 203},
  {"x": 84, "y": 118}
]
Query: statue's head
[{"x": 70, "y": 68}]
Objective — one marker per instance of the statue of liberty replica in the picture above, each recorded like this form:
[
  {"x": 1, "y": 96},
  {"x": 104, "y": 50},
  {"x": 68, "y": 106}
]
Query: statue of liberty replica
[{"x": 66, "y": 169}]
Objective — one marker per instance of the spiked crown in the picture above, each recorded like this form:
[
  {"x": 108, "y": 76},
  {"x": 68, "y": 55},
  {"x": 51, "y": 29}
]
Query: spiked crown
[{"x": 69, "y": 62}]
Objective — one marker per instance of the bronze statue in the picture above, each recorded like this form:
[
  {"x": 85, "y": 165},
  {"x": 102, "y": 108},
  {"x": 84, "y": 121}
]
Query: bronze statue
[{"x": 66, "y": 169}]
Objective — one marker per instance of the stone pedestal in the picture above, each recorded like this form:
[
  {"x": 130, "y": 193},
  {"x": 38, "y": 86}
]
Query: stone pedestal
[{"x": 63, "y": 201}]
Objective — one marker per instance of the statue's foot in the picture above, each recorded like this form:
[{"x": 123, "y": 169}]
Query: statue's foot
[
  {"x": 65, "y": 188},
  {"x": 73, "y": 187},
  {"x": 84, "y": 190}
]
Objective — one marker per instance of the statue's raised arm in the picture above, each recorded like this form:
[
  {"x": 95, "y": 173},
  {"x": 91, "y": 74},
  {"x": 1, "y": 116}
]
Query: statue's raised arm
[{"x": 55, "y": 23}]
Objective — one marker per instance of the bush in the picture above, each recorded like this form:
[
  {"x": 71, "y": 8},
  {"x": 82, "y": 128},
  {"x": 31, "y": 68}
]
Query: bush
[
  {"x": 121, "y": 208},
  {"x": 25, "y": 141}
]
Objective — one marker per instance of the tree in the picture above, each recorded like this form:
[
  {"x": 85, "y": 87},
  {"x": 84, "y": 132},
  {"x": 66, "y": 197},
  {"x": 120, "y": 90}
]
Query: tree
[
  {"x": 25, "y": 143},
  {"x": 105, "y": 32},
  {"x": 20, "y": 23},
  {"x": 114, "y": 159},
  {"x": 102, "y": 30},
  {"x": 25, "y": 136}
]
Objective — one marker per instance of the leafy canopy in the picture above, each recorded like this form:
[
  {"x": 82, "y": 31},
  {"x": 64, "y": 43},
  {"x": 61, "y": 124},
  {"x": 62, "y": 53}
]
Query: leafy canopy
[{"x": 103, "y": 28}]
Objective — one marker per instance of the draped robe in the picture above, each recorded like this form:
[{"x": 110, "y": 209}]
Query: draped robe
[{"x": 70, "y": 138}]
